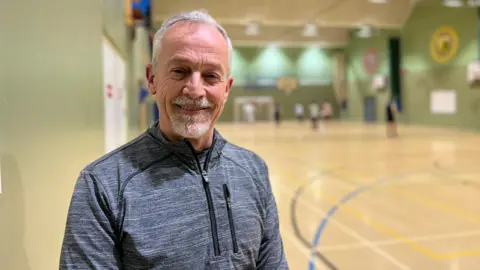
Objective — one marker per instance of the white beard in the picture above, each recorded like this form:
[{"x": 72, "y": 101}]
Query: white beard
[{"x": 191, "y": 126}]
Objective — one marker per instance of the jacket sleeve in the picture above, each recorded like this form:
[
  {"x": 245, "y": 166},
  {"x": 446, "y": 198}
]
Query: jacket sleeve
[
  {"x": 89, "y": 239},
  {"x": 271, "y": 254}
]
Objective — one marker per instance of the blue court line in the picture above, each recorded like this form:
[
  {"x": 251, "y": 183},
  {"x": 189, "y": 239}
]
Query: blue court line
[{"x": 335, "y": 208}]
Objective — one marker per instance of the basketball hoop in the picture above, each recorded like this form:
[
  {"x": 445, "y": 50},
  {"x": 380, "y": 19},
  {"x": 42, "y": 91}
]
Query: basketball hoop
[{"x": 287, "y": 84}]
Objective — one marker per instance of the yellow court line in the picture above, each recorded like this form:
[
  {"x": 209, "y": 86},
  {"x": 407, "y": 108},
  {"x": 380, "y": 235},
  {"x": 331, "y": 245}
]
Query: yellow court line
[
  {"x": 382, "y": 228},
  {"x": 390, "y": 232},
  {"x": 465, "y": 215}
]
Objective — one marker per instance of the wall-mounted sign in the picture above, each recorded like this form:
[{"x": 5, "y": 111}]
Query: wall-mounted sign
[
  {"x": 444, "y": 44},
  {"x": 370, "y": 61}
]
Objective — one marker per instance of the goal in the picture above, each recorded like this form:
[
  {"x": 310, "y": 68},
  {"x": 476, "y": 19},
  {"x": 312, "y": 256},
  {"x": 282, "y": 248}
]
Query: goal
[{"x": 264, "y": 108}]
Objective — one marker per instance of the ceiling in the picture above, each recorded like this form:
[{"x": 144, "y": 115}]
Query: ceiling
[{"x": 283, "y": 21}]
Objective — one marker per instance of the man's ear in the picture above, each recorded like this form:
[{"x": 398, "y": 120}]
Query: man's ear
[
  {"x": 150, "y": 79},
  {"x": 228, "y": 88}
]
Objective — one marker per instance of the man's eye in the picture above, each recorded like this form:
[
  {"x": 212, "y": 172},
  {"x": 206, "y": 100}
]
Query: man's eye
[
  {"x": 179, "y": 71},
  {"x": 211, "y": 76}
]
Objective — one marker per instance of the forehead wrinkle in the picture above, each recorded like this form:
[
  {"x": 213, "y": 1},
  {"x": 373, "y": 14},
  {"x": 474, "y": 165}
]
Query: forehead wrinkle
[
  {"x": 188, "y": 39},
  {"x": 204, "y": 62}
]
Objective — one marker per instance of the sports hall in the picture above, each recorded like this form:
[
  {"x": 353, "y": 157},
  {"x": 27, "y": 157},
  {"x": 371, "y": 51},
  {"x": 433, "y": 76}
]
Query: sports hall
[{"x": 72, "y": 88}]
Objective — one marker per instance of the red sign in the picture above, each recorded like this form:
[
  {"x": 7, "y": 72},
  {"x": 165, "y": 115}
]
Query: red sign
[
  {"x": 109, "y": 90},
  {"x": 370, "y": 61}
]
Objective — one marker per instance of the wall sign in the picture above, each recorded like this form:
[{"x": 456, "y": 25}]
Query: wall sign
[
  {"x": 115, "y": 103},
  {"x": 444, "y": 44},
  {"x": 443, "y": 101},
  {"x": 370, "y": 61}
]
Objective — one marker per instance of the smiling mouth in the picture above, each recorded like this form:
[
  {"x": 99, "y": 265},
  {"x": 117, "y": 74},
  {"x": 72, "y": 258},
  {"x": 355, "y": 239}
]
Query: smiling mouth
[{"x": 191, "y": 107}]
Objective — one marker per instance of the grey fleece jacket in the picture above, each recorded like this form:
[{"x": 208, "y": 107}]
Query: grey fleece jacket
[{"x": 153, "y": 204}]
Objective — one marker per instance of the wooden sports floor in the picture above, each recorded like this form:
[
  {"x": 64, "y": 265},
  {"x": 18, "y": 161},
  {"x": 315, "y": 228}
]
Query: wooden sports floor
[{"x": 370, "y": 203}]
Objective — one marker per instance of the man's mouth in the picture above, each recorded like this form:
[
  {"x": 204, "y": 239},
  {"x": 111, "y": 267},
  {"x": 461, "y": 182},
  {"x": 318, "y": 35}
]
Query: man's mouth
[{"x": 191, "y": 107}]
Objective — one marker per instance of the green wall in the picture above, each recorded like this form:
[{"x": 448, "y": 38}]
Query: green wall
[
  {"x": 51, "y": 117},
  {"x": 310, "y": 65},
  {"x": 423, "y": 73},
  {"x": 359, "y": 81}
]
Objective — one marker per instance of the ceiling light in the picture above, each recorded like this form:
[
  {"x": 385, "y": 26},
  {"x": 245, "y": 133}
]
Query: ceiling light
[
  {"x": 310, "y": 30},
  {"x": 252, "y": 29},
  {"x": 378, "y": 1},
  {"x": 453, "y": 3}
]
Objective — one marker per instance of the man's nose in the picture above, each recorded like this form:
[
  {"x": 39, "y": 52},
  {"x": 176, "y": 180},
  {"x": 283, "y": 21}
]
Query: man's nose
[{"x": 194, "y": 87}]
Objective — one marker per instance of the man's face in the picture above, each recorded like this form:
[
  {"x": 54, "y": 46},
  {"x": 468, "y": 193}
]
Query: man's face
[{"x": 190, "y": 81}]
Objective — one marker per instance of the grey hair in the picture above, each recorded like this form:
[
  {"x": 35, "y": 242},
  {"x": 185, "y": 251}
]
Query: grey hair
[{"x": 198, "y": 16}]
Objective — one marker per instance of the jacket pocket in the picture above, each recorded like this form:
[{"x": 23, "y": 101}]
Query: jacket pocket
[{"x": 226, "y": 193}]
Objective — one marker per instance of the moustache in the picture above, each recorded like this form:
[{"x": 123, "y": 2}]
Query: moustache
[{"x": 203, "y": 103}]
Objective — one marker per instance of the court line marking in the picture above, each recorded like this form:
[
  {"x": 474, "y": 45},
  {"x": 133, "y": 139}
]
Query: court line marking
[
  {"x": 390, "y": 242},
  {"x": 392, "y": 233},
  {"x": 293, "y": 217},
  {"x": 348, "y": 231},
  {"x": 382, "y": 228},
  {"x": 385, "y": 229},
  {"x": 415, "y": 197},
  {"x": 292, "y": 239},
  {"x": 336, "y": 206}
]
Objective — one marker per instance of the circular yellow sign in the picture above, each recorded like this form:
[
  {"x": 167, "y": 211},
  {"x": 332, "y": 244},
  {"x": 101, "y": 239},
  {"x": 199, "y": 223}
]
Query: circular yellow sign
[{"x": 444, "y": 44}]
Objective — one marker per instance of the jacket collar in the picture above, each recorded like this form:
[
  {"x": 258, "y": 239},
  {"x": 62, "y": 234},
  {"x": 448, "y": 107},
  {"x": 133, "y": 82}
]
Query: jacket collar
[{"x": 181, "y": 149}]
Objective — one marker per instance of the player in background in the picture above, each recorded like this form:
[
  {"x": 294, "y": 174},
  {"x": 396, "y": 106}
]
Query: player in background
[
  {"x": 391, "y": 109},
  {"x": 277, "y": 113},
  {"x": 314, "y": 110},
  {"x": 249, "y": 110},
  {"x": 327, "y": 111},
  {"x": 299, "y": 112}
]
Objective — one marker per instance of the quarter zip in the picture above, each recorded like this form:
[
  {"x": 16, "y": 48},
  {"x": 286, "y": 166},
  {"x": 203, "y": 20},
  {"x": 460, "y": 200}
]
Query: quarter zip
[
  {"x": 206, "y": 187},
  {"x": 226, "y": 193}
]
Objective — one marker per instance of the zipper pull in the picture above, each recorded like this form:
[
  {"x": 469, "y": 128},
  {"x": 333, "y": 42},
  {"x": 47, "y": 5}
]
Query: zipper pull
[
  {"x": 205, "y": 177},
  {"x": 228, "y": 202},
  {"x": 227, "y": 194}
]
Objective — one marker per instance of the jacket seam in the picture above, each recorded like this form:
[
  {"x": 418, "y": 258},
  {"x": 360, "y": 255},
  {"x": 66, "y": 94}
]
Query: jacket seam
[
  {"x": 108, "y": 155},
  {"x": 109, "y": 202},
  {"x": 130, "y": 177}
]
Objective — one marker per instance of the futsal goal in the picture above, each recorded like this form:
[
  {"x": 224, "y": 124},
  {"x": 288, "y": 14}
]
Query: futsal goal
[{"x": 264, "y": 108}]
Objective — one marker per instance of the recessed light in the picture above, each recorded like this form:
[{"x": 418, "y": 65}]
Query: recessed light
[
  {"x": 453, "y": 3},
  {"x": 310, "y": 30},
  {"x": 252, "y": 29}
]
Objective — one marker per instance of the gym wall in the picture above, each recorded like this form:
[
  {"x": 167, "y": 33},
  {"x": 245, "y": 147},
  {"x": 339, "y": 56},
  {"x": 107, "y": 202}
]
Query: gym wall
[
  {"x": 270, "y": 62},
  {"x": 52, "y": 117},
  {"x": 423, "y": 73}
]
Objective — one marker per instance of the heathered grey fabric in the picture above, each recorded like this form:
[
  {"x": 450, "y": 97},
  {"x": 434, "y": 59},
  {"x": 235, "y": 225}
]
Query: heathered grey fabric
[{"x": 144, "y": 206}]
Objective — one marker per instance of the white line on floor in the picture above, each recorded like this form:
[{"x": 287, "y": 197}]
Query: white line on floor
[
  {"x": 424, "y": 238},
  {"x": 351, "y": 232}
]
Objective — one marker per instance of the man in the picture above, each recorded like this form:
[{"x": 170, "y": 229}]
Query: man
[
  {"x": 299, "y": 112},
  {"x": 391, "y": 123},
  {"x": 179, "y": 196},
  {"x": 327, "y": 112},
  {"x": 277, "y": 113},
  {"x": 314, "y": 109},
  {"x": 249, "y": 109}
]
